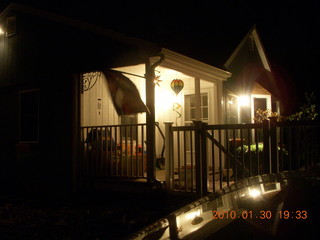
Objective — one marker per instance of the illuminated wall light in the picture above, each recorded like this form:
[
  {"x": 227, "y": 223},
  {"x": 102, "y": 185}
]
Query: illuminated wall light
[
  {"x": 1, "y": 31},
  {"x": 164, "y": 99},
  {"x": 243, "y": 101}
]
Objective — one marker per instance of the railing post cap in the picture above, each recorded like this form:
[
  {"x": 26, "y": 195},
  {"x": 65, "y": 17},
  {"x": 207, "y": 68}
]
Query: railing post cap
[{"x": 168, "y": 122}]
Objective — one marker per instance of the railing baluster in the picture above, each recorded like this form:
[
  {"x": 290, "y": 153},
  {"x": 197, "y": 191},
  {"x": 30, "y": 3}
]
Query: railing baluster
[
  {"x": 213, "y": 164},
  {"x": 289, "y": 129},
  {"x": 191, "y": 160},
  {"x": 179, "y": 167},
  {"x": 257, "y": 150},
  {"x": 114, "y": 152},
  {"x": 121, "y": 150},
  {"x": 297, "y": 146},
  {"x": 185, "y": 161},
  {"x": 235, "y": 174},
  {"x": 92, "y": 155},
  {"x": 86, "y": 165},
  {"x": 100, "y": 166},
  {"x": 109, "y": 165},
  {"x": 142, "y": 150},
  {"x": 220, "y": 160},
  {"x": 249, "y": 151},
  {"x": 104, "y": 151},
  {"x": 82, "y": 152},
  {"x": 305, "y": 130},
  {"x": 314, "y": 146},
  {"x": 281, "y": 163},
  {"x": 131, "y": 150},
  {"x": 126, "y": 150},
  {"x": 227, "y": 156},
  {"x": 137, "y": 152},
  {"x": 242, "y": 153}
]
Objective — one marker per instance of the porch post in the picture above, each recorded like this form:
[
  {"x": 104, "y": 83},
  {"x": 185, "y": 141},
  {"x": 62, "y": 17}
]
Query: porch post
[
  {"x": 197, "y": 94},
  {"x": 169, "y": 165},
  {"x": 220, "y": 103},
  {"x": 150, "y": 117},
  {"x": 201, "y": 158},
  {"x": 76, "y": 132}
]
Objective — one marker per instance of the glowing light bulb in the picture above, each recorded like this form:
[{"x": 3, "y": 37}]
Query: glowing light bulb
[{"x": 243, "y": 101}]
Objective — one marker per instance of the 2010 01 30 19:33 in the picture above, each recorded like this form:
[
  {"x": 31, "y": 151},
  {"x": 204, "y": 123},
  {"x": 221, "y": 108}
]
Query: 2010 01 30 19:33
[{"x": 263, "y": 214}]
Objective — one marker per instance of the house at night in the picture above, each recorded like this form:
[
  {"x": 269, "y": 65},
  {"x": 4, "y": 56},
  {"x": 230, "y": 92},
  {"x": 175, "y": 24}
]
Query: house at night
[
  {"x": 252, "y": 85},
  {"x": 59, "y": 126}
]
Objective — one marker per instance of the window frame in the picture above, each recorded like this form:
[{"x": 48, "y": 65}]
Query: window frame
[
  {"x": 206, "y": 93},
  {"x": 261, "y": 96}
]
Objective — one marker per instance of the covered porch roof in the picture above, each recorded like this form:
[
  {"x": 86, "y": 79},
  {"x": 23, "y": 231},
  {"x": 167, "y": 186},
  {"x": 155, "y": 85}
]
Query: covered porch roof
[{"x": 181, "y": 66}]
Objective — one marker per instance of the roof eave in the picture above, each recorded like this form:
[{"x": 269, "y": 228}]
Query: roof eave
[
  {"x": 148, "y": 48},
  {"x": 254, "y": 33},
  {"x": 193, "y": 67}
]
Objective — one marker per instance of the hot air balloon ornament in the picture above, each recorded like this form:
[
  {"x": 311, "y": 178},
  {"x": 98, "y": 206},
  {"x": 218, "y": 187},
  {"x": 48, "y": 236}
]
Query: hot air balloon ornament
[{"x": 177, "y": 85}]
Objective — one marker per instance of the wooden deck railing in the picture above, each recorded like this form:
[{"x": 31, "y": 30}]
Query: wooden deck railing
[
  {"x": 204, "y": 158},
  {"x": 201, "y": 158},
  {"x": 113, "y": 150}
]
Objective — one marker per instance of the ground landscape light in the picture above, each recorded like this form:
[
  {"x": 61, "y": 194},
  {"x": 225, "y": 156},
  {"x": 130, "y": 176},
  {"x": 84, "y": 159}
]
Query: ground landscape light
[
  {"x": 193, "y": 214},
  {"x": 254, "y": 192}
]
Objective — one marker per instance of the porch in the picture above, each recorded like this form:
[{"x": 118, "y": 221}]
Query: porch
[{"x": 127, "y": 146}]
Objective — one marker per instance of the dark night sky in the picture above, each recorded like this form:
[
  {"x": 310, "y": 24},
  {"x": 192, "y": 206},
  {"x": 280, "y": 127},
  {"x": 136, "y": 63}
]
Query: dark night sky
[{"x": 210, "y": 30}]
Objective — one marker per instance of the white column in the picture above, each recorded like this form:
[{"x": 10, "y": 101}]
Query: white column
[
  {"x": 197, "y": 93},
  {"x": 220, "y": 103},
  {"x": 168, "y": 154}
]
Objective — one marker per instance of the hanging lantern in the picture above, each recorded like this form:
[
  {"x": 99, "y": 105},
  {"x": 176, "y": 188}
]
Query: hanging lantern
[{"x": 177, "y": 85}]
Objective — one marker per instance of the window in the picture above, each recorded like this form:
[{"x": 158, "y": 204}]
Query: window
[
  {"x": 29, "y": 116},
  {"x": 190, "y": 107},
  {"x": 190, "y": 114},
  {"x": 11, "y": 26},
  {"x": 259, "y": 101}
]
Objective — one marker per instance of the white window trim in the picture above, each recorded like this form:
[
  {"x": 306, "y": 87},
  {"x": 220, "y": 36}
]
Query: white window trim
[
  {"x": 209, "y": 92},
  {"x": 264, "y": 96}
]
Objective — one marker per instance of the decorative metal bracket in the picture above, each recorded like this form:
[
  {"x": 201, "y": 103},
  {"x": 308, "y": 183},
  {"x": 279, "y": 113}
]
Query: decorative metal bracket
[{"x": 89, "y": 80}]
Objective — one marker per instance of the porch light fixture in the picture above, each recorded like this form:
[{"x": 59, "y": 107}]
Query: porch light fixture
[
  {"x": 243, "y": 100},
  {"x": 1, "y": 31}
]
